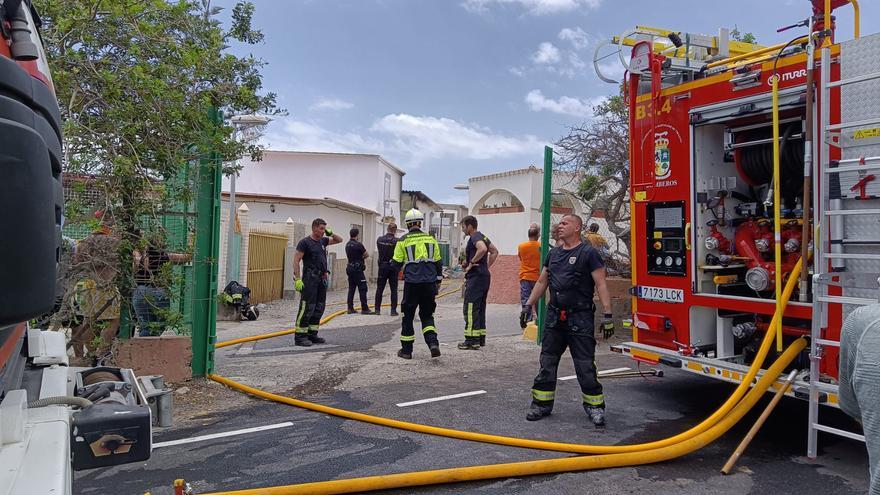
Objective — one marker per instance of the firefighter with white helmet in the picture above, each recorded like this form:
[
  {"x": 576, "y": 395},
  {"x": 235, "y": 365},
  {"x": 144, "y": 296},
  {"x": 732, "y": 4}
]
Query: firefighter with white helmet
[{"x": 419, "y": 255}]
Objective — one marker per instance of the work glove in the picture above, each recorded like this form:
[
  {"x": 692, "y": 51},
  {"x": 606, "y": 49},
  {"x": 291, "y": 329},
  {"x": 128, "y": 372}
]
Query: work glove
[
  {"x": 298, "y": 285},
  {"x": 523, "y": 317},
  {"x": 328, "y": 231},
  {"x": 607, "y": 326}
]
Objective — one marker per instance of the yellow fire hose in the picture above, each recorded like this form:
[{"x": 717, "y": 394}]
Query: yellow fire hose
[
  {"x": 612, "y": 456},
  {"x": 529, "y": 468},
  {"x": 289, "y": 331},
  {"x": 541, "y": 444}
]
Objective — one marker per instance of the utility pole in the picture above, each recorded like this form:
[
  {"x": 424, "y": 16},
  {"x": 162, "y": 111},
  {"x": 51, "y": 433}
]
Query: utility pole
[{"x": 241, "y": 125}]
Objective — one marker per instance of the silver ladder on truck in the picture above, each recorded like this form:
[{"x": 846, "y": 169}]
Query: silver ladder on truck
[{"x": 848, "y": 210}]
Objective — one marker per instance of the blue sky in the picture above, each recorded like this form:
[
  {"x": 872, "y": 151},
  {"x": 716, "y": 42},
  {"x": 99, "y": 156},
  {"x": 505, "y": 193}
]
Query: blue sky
[{"x": 450, "y": 89}]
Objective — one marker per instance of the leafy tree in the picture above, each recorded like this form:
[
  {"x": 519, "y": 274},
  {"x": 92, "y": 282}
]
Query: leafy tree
[
  {"x": 596, "y": 153},
  {"x": 735, "y": 34},
  {"x": 135, "y": 80}
]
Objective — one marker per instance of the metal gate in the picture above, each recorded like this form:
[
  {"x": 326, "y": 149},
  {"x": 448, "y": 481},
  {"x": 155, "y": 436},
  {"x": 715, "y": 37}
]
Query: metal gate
[{"x": 266, "y": 266}]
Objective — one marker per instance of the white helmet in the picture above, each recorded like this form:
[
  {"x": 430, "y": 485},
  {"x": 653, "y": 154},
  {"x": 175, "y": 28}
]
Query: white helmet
[{"x": 413, "y": 216}]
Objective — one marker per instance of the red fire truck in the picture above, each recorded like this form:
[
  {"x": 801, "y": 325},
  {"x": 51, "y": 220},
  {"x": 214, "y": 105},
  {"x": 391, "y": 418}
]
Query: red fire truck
[{"x": 744, "y": 160}]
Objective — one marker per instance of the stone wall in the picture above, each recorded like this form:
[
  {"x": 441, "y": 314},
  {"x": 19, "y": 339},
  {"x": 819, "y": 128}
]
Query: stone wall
[{"x": 166, "y": 356}]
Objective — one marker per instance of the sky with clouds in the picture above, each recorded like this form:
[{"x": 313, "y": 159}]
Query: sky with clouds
[{"x": 451, "y": 89}]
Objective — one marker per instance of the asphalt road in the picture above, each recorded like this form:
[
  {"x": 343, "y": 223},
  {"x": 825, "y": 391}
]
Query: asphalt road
[{"x": 318, "y": 447}]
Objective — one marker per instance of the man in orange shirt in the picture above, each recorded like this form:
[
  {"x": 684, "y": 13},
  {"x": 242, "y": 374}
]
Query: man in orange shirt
[{"x": 529, "y": 253}]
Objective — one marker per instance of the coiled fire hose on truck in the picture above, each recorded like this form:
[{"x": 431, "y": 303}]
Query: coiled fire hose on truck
[{"x": 611, "y": 455}]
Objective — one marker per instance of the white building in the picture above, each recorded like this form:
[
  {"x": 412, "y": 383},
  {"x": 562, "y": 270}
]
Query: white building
[
  {"x": 506, "y": 203},
  {"x": 270, "y": 212},
  {"x": 345, "y": 189},
  {"x": 421, "y": 202},
  {"x": 366, "y": 181},
  {"x": 368, "y": 184}
]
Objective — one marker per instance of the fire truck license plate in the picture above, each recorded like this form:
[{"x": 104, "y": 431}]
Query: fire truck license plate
[{"x": 661, "y": 294}]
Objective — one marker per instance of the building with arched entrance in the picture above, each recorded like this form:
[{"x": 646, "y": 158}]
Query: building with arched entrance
[{"x": 506, "y": 203}]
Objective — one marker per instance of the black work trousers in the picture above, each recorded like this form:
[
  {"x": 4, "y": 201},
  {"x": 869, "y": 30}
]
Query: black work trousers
[
  {"x": 313, "y": 299},
  {"x": 575, "y": 333},
  {"x": 357, "y": 281},
  {"x": 476, "y": 290},
  {"x": 387, "y": 273},
  {"x": 421, "y": 297}
]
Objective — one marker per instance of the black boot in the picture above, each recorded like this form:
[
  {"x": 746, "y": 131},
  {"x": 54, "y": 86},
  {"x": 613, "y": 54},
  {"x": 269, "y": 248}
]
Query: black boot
[
  {"x": 351, "y": 311},
  {"x": 596, "y": 414},
  {"x": 470, "y": 344},
  {"x": 482, "y": 341},
  {"x": 404, "y": 354},
  {"x": 377, "y": 311},
  {"x": 366, "y": 311},
  {"x": 394, "y": 312},
  {"x": 537, "y": 412},
  {"x": 302, "y": 339},
  {"x": 313, "y": 338}
]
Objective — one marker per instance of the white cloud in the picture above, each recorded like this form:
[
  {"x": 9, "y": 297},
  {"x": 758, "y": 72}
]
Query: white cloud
[
  {"x": 575, "y": 60},
  {"x": 296, "y": 135},
  {"x": 455, "y": 199},
  {"x": 565, "y": 105},
  {"x": 547, "y": 54},
  {"x": 406, "y": 139},
  {"x": 427, "y": 138},
  {"x": 612, "y": 68},
  {"x": 331, "y": 104},
  {"x": 533, "y": 7},
  {"x": 577, "y": 37}
]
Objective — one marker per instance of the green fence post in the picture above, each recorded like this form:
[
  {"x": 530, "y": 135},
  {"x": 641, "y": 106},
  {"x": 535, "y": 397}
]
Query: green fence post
[
  {"x": 207, "y": 250},
  {"x": 545, "y": 229}
]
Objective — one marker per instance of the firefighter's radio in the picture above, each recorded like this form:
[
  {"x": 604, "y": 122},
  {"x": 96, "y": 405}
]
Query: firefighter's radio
[{"x": 666, "y": 238}]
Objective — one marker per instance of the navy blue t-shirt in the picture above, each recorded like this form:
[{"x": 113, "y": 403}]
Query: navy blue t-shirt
[
  {"x": 481, "y": 267},
  {"x": 385, "y": 246},
  {"x": 314, "y": 253},
  {"x": 570, "y": 274},
  {"x": 354, "y": 251}
]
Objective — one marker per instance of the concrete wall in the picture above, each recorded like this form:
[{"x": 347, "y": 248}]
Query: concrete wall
[{"x": 505, "y": 230}]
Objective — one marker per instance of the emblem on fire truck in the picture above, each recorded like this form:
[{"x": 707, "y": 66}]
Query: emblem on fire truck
[{"x": 661, "y": 155}]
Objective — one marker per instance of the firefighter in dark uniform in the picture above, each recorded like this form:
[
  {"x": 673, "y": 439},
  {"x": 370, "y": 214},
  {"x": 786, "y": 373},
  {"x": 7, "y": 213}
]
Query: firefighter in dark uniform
[
  {"x": 312, "y": 281},
  {"x": 419, "y": 255},
  {"x": 480, "y": 255},
  {"x": 571, "y": 271},
  {"x": 357, "y": 281},
  {"x": 387, "y": 273}
]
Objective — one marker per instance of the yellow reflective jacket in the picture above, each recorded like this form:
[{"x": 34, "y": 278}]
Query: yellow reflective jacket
[{"x": 419, "y": 255}]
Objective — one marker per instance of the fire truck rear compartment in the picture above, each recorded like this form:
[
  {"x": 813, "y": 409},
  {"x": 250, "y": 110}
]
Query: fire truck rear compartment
[{"x": 732, "y": 220}]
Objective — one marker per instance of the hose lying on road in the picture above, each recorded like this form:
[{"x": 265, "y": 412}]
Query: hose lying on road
[
  {"x": 720, "y": 413},
  {"x": 289, "y": 331},
  {"x": 610, "y": 456},
  {"x": 550, "y": 466}
]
